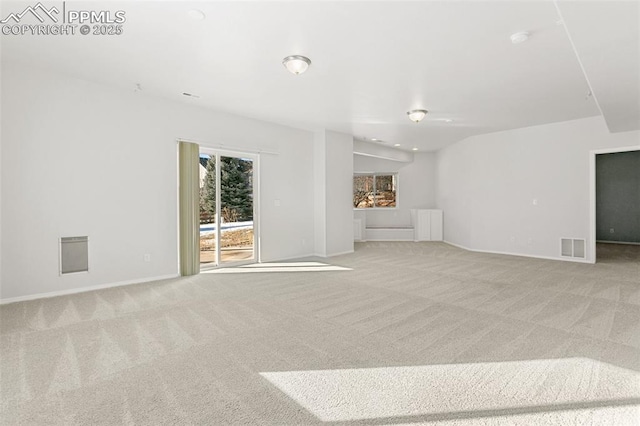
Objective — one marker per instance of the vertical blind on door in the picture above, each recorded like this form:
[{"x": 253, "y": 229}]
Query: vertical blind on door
[{"x": 189, "y": 199}]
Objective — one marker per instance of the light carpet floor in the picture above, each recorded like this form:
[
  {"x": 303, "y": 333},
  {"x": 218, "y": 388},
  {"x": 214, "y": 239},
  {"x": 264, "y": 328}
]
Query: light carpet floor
[{"x": 399, "y": 333}]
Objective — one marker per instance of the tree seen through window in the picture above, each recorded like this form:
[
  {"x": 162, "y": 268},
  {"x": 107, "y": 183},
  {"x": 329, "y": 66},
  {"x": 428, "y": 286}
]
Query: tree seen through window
[{"x": 374, "y": 190}]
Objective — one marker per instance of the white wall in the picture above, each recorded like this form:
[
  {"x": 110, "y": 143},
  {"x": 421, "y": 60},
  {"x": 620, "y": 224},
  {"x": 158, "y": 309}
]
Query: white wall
[
  {"x": 416, "y": 187},
  {"x": 333, "y": 174},
  {"x": 339, "y": 219},
  {"x": 319, "y": 193},
  {"x": 1, "y": 138},
  {"x": 487, "y": 184},
  {"x": 83, "y": 159}
]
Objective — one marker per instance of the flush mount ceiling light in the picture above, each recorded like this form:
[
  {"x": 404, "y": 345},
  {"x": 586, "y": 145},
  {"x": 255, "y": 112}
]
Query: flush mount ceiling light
[
  {"x": 396, "y": 144},
  {"x": 520, "y": 37},
  {"x": 416, "y": 115},
  {"x": 296, "y": 64},
  {"x": 414, "y": 149},
  {"x": 196, "y": 15}
]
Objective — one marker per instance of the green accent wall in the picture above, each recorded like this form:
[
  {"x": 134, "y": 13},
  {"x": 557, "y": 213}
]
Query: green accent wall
[{"x": 618, "y": 197}]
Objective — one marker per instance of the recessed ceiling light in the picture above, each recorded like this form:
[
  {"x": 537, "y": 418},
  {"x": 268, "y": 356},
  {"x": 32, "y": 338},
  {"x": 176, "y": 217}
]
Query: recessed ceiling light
[
  {"x": 196, "y": 15},
  {"x": 296, "y": 64},
  {"x": 414, "y": 149},
  {"x": 520, "y": 37},
  {"x": 396, "y": 144},
  {"x": 416, "y": 115},
  {"x": 374, "y": 139}
]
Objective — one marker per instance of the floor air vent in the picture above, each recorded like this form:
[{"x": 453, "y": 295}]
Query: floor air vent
[
  {"x": 573, "y": 247},
  {"x": 74, "y": 254}
]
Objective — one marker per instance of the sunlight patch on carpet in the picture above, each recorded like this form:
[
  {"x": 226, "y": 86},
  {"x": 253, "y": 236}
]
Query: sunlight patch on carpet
[
  {"x": 278, "y": 267},
  {"x": 549, "y": 390}
]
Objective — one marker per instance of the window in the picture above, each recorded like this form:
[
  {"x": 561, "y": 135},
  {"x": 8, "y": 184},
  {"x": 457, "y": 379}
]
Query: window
[{"x": 374, "y": 190}]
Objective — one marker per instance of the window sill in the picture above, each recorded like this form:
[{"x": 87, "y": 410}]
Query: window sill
[{"x": 361, "y": 209}]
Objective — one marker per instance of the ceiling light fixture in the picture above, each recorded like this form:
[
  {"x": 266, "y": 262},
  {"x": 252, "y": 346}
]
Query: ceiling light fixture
[
  {"x": 296, "y": 64},
  {"x": 416, "y": 115},
  {"x": 396, "y": 144},
  {"x": 196, "y": 15},
  {"x": 414, "y": 149},
  {"x": 520, "y": 37}
]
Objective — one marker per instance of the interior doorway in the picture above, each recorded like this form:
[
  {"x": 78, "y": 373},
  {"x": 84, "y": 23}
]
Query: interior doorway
[
  {"x": 228, "y": 220},
  {"x": 615, "y": 205}
]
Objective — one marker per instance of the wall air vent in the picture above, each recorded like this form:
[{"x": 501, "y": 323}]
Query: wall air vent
[
  {"x": 74, "y": 254},
  {"x": 573, "y": 247}
]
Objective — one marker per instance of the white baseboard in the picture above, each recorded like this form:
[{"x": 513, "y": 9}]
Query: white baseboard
[
  {"x": 617, "y": 242},
  {"x": 326, "y": 256},
  {"x": 564, "y": 259},
  {"x": 84, "y": 289},
  {"x": 411, "y": 240},
  {"x": 340, "y": 254}
]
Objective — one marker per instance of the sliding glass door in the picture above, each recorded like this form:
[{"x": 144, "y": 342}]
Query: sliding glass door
[
  {"x": 208, "y": 224},
  {"x": 227, "y": 209},
  {"x": 236, "y": 210}
]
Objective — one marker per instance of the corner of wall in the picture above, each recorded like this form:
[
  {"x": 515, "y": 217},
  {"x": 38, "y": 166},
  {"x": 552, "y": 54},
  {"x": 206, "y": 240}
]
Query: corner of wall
[
  {"x": 1, "y": 169},
  {"x": 333, "y": 174},
  {"x": 319, "y": 193},
  {"x": 519, "y": 191}
]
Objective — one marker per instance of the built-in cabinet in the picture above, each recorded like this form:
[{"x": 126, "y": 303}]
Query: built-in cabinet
[
  {"x": 427, "y": 224},
  {"x": 358, "y": 229}
]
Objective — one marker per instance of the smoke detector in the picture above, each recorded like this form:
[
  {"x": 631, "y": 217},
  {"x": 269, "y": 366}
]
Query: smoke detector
[{"x": 520, "y": 37}]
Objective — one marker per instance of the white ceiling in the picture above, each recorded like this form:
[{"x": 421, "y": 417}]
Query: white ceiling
[
  {"x": 607, "y": 38},
  {"x": 372, "y": 62}
]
